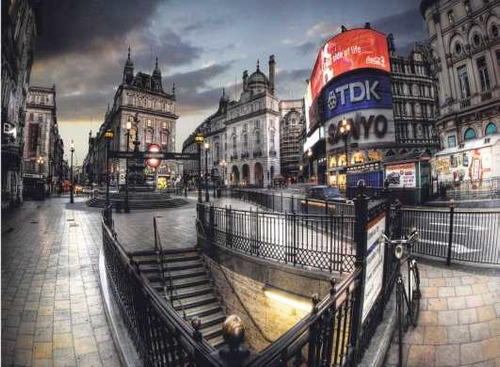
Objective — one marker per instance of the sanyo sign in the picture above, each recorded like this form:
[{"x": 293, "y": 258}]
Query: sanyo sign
[{"x": 364, "y": 99}]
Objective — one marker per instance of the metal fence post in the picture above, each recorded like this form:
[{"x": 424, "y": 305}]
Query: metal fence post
[
  {"x": 360, "y": 239},
  {"x": 229, "y": 227},
  {"x": 257, "y": 242},
  {"x": 292, "y": 206},
  {"x": 211, "y": 220},
  {"x": 281, "y": 208},
  {"x": 450, "y": 234},
  {"x": 294, "y": 242}
]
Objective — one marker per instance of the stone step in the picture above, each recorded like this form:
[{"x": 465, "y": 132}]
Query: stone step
[
  {"x": 176, "y": 266},
  {"x": 192, "y": 302},
  {"x": 168, "y": 258},
  {"x": 204, "y": 310},
  {"x": 194, "y": 291},
  {"x": 217, "y": 342},
  {"x": 181, "y": 283},
  {"x": 212, "y": 319},
  {"x": 211, "y": 331}
]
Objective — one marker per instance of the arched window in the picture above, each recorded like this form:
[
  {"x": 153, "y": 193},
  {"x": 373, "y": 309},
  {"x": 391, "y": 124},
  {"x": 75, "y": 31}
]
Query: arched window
[
  {"x": 491, "y": 128},
  {"x": 164, "y": 137},
  {"x": 245, "y": 141},
  {"x": 470, "y": 133},
  {"x": 235, "y": 143},
  {"x": 257, "y": 138},
  {"x": 149, "y": 136}
]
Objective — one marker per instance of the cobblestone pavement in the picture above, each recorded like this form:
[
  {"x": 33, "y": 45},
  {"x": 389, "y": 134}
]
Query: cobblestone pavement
[
  {"x": 52, "y": 310},
  {"x": 459, "y": 322}
]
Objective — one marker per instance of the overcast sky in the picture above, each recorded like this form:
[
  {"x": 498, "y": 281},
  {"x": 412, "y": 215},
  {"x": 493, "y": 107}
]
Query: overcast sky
[{"x": 202, "y": 46}]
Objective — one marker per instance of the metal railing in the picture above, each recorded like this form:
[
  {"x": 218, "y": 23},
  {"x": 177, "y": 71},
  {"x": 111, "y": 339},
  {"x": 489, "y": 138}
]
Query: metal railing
[
  {"x": 321, "y": 242},
  {"x": 453, "y": 234},
  {"x": 291, "y": 203},
  {"x": 469, "y": 190},
  {"x": 171, "y": 290}
]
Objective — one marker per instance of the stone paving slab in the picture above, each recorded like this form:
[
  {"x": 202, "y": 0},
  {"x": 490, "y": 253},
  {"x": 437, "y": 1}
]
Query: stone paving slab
[
  {"x": 52, "y": 311},
  {"x": 459, "y": 322}
]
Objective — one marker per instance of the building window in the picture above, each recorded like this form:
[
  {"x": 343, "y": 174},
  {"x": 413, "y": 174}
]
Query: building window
[
  {"x": 450, "y": 17},
  {"x": 464, "y": 81},
  {"x": 458, "y": 48},
  {"x": 491, "y": 128},
  {"x": 470, "y": 133},
  {"x": 494, "y": 30},
  {"x": 257, "y": 138},
  {"x": 149, "y": 136},
  {"x": 245, "y": 141},
  {"x": 476, "y": 40},
  {"x": 164, "y": 137},
  {"x": 483, "y": 74},
  {"x": 452, "y": 141}
]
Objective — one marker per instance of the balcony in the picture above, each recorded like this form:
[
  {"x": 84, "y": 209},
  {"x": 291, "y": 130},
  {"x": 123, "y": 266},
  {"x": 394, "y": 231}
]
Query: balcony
[
  {"x": 486, "y": 96},
  {"x": 257, "y": 153},
  {"x": 465, "y": 103},
  {"x": 234, "y": 157},
  {"x": 245, "y": 155}
]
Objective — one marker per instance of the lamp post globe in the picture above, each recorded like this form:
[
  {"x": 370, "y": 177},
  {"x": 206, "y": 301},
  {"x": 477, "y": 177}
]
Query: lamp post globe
[
  {"x": 206, "y": 145},
  {"x": 199, "y": 141}
]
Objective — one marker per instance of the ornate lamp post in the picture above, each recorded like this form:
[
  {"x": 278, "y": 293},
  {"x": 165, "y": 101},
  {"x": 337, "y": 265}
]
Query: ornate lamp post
[
  {"x": 345, "y": 129},
  {"x": 309, "y": 155},
  {"x": 108, "y": 135},
  {"x": 207, "y": 148},
  {"x": 223, "y": 165},
  {"x": 127, "y": 209},
  {"x": 199, "y": 140},
  {"x": 71, "y": 183},
  {"x": 40, "y": 162}
]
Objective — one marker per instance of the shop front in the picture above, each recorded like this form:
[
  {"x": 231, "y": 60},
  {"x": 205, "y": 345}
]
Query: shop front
[{"x": 470, "y": 170}]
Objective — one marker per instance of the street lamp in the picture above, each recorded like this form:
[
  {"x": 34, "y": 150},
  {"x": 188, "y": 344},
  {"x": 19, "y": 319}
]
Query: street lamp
[
  {"x": 345, "y": 129},
  {"x": 309, "y": 156},
  {"x": 71, "y": 194},
  {"x": 108, "y": 135},
  {"x": 199, "y": 140},
  {"x": 207, "y": 148},
  {"x": 223, "y": 165},
  {"x": 40, "y": 162},
  {"x": 127, "y": 209}
]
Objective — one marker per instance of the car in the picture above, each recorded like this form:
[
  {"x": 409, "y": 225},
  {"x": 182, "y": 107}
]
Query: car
[{"x": 323, "y": 192}]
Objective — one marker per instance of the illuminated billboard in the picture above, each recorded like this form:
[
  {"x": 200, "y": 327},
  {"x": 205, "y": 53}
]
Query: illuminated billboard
[
  {"x": 354, "y": 91},
  {"x": 348, "y": 51}
]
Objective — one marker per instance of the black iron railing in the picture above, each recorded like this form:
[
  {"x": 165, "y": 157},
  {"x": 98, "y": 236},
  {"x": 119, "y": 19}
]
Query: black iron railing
[
  {"x": 322, "y": 242},
  {"x": 470, "y": 190},
  {"x": 453, "y": 234},
  {"x": 291, "y": 203},
  {"x": 160, "y": 335}
]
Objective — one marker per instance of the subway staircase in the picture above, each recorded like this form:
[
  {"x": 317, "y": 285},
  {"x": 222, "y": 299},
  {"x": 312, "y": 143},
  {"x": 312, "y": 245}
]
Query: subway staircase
[{"x": 189, "y": 288}]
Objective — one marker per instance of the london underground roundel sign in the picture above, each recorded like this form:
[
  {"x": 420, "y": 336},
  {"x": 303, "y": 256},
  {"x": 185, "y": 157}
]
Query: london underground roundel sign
[{"x": 153, "y": 162}]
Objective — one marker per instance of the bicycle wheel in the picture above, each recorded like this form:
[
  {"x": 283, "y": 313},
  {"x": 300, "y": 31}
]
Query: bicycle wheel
[{"x": 414, "y": 292}]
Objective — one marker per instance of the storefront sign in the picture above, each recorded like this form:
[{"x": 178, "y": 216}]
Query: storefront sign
[
  {"x": 374, "y": 262},
  {"x": 368, "y": 127},
  {"x": 360, "y": 90},
  {"x": 401, "y": 175},
  {"x": 351, "y": 50}
]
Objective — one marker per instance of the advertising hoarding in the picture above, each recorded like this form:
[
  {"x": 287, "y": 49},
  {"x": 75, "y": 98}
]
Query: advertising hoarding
[
  {"x": 401, "y": 175},
  {"x": 348, "y": 51},
  {"x": 355, "y": 91},
  {"x": 374, "y": 262}
]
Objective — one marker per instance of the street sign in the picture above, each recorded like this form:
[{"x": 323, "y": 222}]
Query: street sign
[{"x": 153, "y": 155}]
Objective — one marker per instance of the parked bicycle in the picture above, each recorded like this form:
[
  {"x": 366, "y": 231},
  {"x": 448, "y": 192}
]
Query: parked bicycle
[{"x": 409, "y": 297}]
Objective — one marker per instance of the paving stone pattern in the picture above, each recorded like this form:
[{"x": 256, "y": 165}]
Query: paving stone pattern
[
  {"x": 52, "y": 310},
  {"x": 459, "y": 322}
]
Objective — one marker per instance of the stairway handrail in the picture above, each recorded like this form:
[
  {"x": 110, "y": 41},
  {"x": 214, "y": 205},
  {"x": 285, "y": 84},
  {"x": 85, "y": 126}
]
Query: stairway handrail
[{"x": 173, "y": 288}]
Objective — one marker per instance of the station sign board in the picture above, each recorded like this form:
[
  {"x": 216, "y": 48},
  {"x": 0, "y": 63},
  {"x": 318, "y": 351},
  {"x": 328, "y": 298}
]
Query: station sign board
[{"x": 374, "y": 274}]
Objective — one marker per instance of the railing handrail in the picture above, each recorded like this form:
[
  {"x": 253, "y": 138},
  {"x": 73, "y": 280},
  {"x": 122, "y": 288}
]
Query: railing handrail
[
  {"x": 446, "y": 209},
  {"x": 166, "y": 312},
  {"x": 280, "y": 214},
  {"x": 295, "y": 333},
  {"x": 173, "y": 289}
]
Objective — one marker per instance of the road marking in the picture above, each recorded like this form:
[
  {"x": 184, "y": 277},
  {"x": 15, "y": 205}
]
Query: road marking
[
  {"x": 474, "y": 228},
  {"x": 455, "y": 247}
]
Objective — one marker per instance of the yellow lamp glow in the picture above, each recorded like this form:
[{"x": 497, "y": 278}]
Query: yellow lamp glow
[{"x": 289, "y": 299}]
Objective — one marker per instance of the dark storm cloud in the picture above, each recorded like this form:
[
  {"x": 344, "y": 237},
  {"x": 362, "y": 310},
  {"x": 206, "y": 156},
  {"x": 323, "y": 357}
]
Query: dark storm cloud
[
  {"x": 79, "y": 25},
  {"x": 193, "y": 89},
  {"x": 204, "y": 25}
]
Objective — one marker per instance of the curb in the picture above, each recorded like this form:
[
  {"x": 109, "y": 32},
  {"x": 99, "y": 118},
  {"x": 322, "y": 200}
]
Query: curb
[
  {"x": 380, "y": 343},
  {"x": 123, "y": 344}
]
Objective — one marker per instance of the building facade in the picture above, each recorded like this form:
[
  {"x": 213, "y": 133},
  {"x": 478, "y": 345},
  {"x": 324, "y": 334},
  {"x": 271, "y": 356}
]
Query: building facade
[
  {"x": 464, "y": 37},
  {"x": 291, "y": 125},
  {"x": 243, "y": 135},
  {"x": 141, "y": 101},
  {"x": 19, "y": 30},
  {"x": 43, "y": 146}
]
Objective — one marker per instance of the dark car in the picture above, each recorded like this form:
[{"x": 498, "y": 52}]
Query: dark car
[{"x": 325, "y": 193}]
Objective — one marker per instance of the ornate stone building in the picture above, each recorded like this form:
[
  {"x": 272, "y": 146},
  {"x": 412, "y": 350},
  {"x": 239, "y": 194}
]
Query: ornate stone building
[
  {"x": 139, "y": 96},
  {"x": 291, "y": 126},
  {"x": 43, "y": 146},
  {"x": 243, "y": 135},
  {"x": 464, "y": 37},
  {"x": 19, "y": 30}
]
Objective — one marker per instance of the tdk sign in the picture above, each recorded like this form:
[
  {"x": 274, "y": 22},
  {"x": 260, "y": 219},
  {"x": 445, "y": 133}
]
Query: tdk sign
[{"x": 356, "y": 91}]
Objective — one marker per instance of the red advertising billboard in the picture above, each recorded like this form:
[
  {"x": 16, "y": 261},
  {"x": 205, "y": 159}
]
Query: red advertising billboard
[{"x": 350, "y": 50}]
